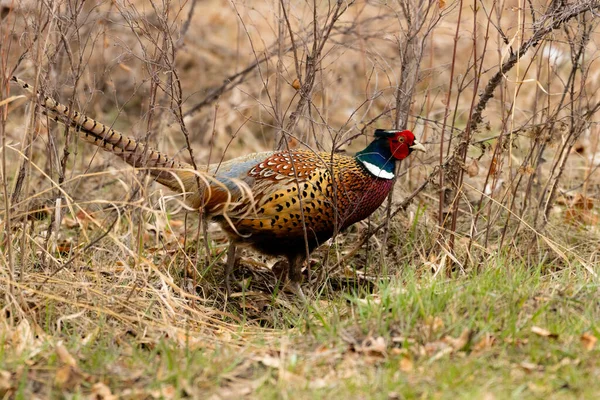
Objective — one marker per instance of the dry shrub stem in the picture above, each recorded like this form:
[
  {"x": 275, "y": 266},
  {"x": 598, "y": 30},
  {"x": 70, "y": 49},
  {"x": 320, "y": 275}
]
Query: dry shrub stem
[
  {"x": 554, "y": 18},
  {"x": 548, "y": 22},
  {"x": 577, "y": 123},
  {"x": 313, "y": 59},
  {"x": 442, "y": 201},
  {"x": 410, "y": 48}
]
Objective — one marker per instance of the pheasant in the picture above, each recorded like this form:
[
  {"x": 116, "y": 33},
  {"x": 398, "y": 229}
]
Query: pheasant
[{"x": 281, "y": 203}]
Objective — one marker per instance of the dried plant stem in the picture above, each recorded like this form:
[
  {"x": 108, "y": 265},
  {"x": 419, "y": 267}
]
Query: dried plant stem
[
  {"x": 545, "y": 24},
  {"x": 307, "y": 82},
  {"x": 6, "y": 237},
  {"x": 466, "y": 139},
  {"x": 442, "y": 200},
  {"x": 410, "y": 48}
]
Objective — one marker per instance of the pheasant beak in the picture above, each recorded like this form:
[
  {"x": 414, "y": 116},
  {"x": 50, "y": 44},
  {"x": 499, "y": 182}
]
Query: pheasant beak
[{"x": 418, "y": 146}]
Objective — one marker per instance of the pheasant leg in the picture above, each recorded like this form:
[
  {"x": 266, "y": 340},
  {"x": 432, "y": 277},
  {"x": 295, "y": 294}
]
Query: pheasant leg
[
  {"x": 229, "y": 267},
  {"x": 295, "y": 274}
]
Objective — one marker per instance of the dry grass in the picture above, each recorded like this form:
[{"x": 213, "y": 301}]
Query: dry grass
[{"x": 112, "y": 288}]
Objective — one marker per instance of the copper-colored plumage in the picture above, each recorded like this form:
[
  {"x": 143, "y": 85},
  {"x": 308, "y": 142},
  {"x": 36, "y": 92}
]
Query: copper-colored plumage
[{"x": 281, "y": 203}]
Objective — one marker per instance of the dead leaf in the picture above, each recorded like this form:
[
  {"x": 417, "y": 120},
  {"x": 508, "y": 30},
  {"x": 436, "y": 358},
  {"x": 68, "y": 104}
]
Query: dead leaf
[
  {"x": 102, "y": 392},
  {"x": 582, "y": 202},
  {"x": 269, "y": 361},
  {"x": 67, "y": 377},
  {"x": 5, "y": 382},
  {"x": 581, "y": 217},
  {"x": 435, "y": 324},
  {"x": 235, "y": 391},
  {"x": 64, "y": 356},
  {"x": 527, "y": 170},
  {"x": 530, "y": 367},
  {"x": 69, "y": 222},
  {"x": 588, "y": 341},
  {"x": 164, "y": 392},
  {"x": 23, "y": 338},
  {"x": 493, "y": 187},
  {"x": 444, "y": 351},
  {"x": 406, "y": 364},
  {"x": 485, "y": 343},
  {"x": 373, "y": 346},
  {"x": 493, "y": 166},
  {"x": 64, "y": 247},
  {"x": 176, "y": 223},
  {"x": 460, "y": 342},
  {"x": 580, "y": 211},
  {"x": 543, "y": 332},
  {"x": 441, "y": 3},
  {"x": 168, "y": 392},
  {"x": 296, "y": 84},
  {"x": 516, "y": 341},
  {"x": 473, "y": 168}
]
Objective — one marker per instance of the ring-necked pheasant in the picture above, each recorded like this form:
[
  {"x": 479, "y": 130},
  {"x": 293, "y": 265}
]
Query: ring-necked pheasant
[{"x": 282, "y": 203}]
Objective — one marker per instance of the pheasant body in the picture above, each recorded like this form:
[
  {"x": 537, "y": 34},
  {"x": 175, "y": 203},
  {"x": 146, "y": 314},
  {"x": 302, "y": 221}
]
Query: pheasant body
[
  {"x": 294, "y": 192},
  {"x": 283, "y": 203}
]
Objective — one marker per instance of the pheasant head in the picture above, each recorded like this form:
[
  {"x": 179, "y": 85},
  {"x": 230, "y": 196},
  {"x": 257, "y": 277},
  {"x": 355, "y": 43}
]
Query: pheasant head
[{"x": 380, "y": 157}]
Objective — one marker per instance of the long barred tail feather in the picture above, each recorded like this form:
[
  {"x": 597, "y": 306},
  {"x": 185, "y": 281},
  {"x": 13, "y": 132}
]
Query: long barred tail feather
[{"x": 167, "y": 170}]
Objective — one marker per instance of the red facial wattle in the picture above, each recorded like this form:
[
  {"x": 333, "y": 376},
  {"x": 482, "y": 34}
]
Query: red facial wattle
[{"x": 400, "y": 144}]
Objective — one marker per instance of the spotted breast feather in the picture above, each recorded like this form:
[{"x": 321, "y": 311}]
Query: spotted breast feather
[{"x": 305, "y": 191}]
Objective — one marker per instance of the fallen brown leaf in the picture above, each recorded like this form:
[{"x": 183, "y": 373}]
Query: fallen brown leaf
[
  {"x": 473, "y": 168},
  {"x": 543, "y": 332},
  {"x": 5, "y": 382},
  {"x": 588, "y": 341},
  {"x": 269, "y": 361},
  {"x": 23, "y": 338},
  {"x": 64, "y": 356},
  {"x": 373, "y": 346},
  {"x": 165, "y": 392},
  {"x": 460, "y": 342},
  {"x": 101, "y": 392},
  {"x": 64, "y": 247},
  {"x": 493, "y": 166},
  {"x": 406, "y": 364},
  {"x": 444, "y": 351},
  {"x": 67, "y": 377},
  {"x": 485, "y": 343},
  {"x": 69, "y": 222},
  {"x": 530, "y": 367},
  {"x": 435, "y": 324},
  {"x": 516, "y": 341}
]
